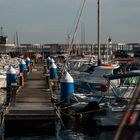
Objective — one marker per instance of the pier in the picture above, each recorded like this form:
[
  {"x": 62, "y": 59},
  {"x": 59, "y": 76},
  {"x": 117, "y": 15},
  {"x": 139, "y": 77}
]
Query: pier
[{"x": 31, "y": 107}]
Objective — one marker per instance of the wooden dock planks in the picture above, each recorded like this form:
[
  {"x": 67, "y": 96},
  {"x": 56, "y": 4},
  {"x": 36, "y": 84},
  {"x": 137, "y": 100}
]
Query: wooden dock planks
[{"x": 33, "y": 101}]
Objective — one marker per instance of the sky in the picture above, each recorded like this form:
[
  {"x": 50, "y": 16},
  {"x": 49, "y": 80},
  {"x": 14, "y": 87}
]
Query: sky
[{"x": 50, "y": 21}]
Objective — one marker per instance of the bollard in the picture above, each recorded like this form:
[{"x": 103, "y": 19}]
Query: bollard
[
  {"x": 13, "y": 93},
  {"x": 67, "y": 88},
  {"x": 8, "y": 94},
  {"x": 28, "y": 61},
  {"x": 47, "y": 81},
  {"x": 53, "y": 71},
  {"x": 10, "y": 78},
  {"x": 28, "y": 64},
  {"x": 25, "y": 75},
  {"x": 32, "y": 63},
  {"x": 45, "y": 62},
  {"x": 22, "y": 66},
  {"x": 45, "y": 69},
  {"x": 48, "y": 62}
]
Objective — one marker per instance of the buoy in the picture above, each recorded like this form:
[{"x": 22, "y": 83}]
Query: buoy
[
  {"x": 11, "y": 76},
  {"x": 53, "y": 71},
  {"x": 28, "y": 61},
  {"x": 67, "y": 87},
  {"x": 28, "y": 64},
  {"x": 22, "y": 66}
]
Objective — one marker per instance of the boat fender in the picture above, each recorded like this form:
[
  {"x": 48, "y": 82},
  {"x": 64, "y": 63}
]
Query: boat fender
[
  {"x": 103, "y": 88},
  {"x": 108, "y": 65}
]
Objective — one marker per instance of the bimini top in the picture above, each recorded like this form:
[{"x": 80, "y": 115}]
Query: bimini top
[{"x": 119, "y": 76}]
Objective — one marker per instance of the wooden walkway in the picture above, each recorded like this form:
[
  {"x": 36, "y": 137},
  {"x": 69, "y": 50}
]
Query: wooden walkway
[{"x": 33, "y": 101}]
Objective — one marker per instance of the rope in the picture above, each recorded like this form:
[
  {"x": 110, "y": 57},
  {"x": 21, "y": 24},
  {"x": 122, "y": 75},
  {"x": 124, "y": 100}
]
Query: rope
[
  {"x": 58, "y": 115},
  {"x": 84, "y": 112},
  {"x": 75, "y": 19},
  {"x": 73, "y": 37}
]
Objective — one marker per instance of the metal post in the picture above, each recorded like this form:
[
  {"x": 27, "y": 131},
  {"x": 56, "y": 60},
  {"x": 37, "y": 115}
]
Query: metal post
[
  {"x": 13, "y": 93},
  {"x": 98, "y": 32},
  {"x": 17, "y": 44},
  {"x": 8, "y": 95},
  {"x": 47, "y": 81},
  {"x": 107, "y": 50}
]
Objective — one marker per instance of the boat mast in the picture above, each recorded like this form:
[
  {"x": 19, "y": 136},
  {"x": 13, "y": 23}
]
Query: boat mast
[
  {"x": 98, "y": 32},
  {"x": 74, "y": 34},
  {"x": 1, "y": 31},
  {"x": 17, "y": 41}
]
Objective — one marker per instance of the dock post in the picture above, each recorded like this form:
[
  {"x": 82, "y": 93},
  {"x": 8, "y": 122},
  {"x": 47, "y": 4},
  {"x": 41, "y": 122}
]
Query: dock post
[
  {"x": 45, "y": 62},
  {"x": 45, "y": 69},
  {"x": 47, "y": 81},
  {"x": 25, "y": 75},
  {"x": 45, "y": 66},
  {"x": 8, "y": 94},
  {"x": 13, "y": 93},
  {"x": 11, "y": 78}
]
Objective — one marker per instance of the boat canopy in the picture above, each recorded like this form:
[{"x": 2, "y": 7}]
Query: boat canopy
[{"x": 119, "y": 76}]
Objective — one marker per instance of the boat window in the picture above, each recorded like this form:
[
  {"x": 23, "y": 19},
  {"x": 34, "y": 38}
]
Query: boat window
[{"x": 132, "y": 80}]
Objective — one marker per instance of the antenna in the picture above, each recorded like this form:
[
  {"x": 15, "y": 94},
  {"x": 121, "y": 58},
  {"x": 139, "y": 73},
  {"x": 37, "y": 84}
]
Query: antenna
[{"x": 74, "y": 34}]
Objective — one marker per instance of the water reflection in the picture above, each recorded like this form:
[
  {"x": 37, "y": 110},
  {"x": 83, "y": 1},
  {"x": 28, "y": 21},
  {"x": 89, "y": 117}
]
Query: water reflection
[{"x": 72, "y": 130}]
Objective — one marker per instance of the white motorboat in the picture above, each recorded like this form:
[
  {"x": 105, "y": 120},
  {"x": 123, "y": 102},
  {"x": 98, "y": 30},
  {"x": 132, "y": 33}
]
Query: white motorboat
[{"x": 93, "y": 81}]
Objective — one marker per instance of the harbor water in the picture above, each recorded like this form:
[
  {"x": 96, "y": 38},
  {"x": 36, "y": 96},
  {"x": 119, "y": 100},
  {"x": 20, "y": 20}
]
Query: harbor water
[{"x": 79, "y": 130}]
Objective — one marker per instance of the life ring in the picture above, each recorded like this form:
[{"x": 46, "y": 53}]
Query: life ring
[{"x": 108, "y": 65}]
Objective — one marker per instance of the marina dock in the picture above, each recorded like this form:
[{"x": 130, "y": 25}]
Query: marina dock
[{"x": 32, "y": 106}]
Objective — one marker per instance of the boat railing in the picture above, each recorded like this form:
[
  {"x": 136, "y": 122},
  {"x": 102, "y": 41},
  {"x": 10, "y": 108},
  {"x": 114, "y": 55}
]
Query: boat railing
[
  {"x": 126, "y": 89},
  {"x": 130, "y": 121}
]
